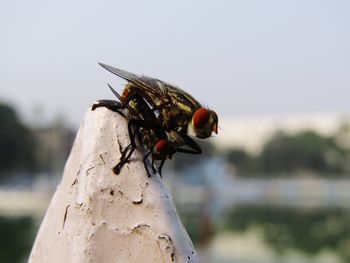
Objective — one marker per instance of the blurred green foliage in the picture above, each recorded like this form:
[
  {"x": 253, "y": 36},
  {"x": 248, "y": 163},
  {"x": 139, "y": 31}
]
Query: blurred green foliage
[
  {"x": 182, "y": 161},
  {"x": 17, "y": 237},
  {"x": 16, "y": 143},
  {"x": 26, "y": 151},
  {"x": 192, "y": 223},
  {"x": 284, "y": 155},
  {"x": 309, "y": 230}
]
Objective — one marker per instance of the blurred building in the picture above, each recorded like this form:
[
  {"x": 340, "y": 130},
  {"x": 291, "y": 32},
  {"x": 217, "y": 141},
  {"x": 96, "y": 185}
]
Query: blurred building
[{"x": 252, "y": 132}]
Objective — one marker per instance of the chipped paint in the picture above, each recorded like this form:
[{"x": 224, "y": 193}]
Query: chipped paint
[
  {"x": 65, "y": 216},
  {"x": 101, "y": 157},
  {"x": 95, "y": 216}
]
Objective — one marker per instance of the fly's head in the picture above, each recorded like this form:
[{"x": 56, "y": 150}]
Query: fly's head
[
  {"x": 163, "y": 150},
  {"x": 204, "y": 122}
]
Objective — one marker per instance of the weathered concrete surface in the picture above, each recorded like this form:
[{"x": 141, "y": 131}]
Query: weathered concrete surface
[{"x": 97, "y": 216}]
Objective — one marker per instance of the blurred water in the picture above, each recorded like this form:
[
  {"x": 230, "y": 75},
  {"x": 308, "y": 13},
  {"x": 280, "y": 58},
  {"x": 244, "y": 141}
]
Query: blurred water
[{"x": 229, "y": 219}]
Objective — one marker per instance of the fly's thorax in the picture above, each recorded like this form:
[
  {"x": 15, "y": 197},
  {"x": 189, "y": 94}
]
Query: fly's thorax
[
  {"x": 175, "y": 106},
  {"x": 174, "y": 119},
  {"x": 145, "y": 94}
]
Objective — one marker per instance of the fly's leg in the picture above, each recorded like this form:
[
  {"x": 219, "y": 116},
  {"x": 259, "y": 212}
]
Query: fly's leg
[
  {"x": 144, "y": 162},
  {"x": 140, "y": 99},
  {"x": 153, "y": 169},
  {"x": 126, "y": 154},
  {"x": 160, "y": 168},
  {"x": 148, "y": 125},
  {"x": 194, "y": 147},
  {"x": 109, "y": 104},
  {"x": 134, "y": 96},
  {"x": 124, "y": 158},
  {"x": 128, "y": 151}
]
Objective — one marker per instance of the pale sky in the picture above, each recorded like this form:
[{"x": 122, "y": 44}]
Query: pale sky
[{"x": 238, "y": 57}]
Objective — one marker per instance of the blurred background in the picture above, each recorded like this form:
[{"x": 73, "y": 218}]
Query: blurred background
[{"x": 272, "y": 186}]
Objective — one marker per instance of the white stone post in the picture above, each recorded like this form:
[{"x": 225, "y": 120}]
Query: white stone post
[{"x": 97, "y": 216}]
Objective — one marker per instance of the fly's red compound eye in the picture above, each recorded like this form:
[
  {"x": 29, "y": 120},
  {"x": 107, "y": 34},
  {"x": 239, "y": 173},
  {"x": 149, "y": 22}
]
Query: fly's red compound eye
[
  {"x": 125, "y": 94},
  {"x": 200, "y": 118},
  {"x": 162, "y": 146}
]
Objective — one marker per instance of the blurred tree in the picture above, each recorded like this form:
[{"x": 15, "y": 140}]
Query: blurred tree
[
  {"x": 17, "y": 236},
  {"x": 183, "y": 160},
  {"x": 16, "y": 143},
  {"x": 342, "y": 138},
  {"x": 243, "y": 162},
  {"x": 238, "y": 156},
  {"x": 305, "y": 151},
  {"x": 286, "y": 155},
  {"x": 286, "y": 228}
]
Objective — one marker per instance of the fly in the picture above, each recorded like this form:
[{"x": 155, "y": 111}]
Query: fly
[
  {"x": 180, "y": 114},
  {"x": 143, "y": 124}
]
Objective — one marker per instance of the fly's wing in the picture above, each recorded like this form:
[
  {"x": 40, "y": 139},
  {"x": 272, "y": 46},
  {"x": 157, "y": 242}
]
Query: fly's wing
[
  {"x": 149, "y": 85},
  {"x": 155, "y": 87}
]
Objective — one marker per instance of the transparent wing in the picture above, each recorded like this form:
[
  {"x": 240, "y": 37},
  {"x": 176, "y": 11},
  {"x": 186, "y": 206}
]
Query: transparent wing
[
  {"x": 150, "y": 85},
  {"x": 155, "y": 87}
]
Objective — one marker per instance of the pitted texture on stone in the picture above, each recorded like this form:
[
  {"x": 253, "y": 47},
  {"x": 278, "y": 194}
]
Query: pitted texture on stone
[{"x": 97, "y": 216}]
